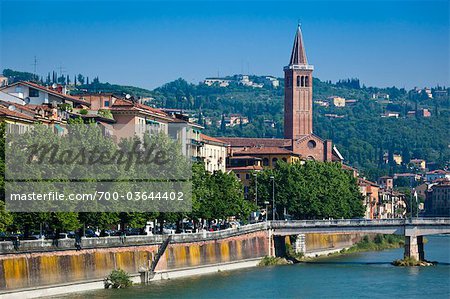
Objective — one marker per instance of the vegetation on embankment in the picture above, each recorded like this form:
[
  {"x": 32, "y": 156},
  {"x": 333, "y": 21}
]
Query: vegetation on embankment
[
  {"x": 118, "y": 279},
  {"x": 379, "y": 242},
  {"x": 412, "y": 262},
  {"x": 273, "y": 261}
]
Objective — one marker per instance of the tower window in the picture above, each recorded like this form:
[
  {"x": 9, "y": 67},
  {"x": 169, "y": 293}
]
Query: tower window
[
  {"x": 298, "y": 81},
  {"x": 307, "y": 81},
  {"x": 303, "y": 81}
]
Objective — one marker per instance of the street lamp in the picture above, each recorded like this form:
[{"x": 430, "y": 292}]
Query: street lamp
[
  {"x": 256, "y": 189},
  {"x": 273, "y": 196}
]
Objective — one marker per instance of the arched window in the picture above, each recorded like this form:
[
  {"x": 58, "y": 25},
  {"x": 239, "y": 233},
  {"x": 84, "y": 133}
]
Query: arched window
[
  {"x": 284, "y": 160},
  {"x": 265, "y": 162},
  {"x": 274, "y": 162},
  {"x": 298, "y": 81},
  {"x": 303, "y": 81},
  {"x": 307, "y": 81},
  {"x": 310, "y": 158}
]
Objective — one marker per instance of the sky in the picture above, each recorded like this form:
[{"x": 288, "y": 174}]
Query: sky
[{"x": 149, "y": 43}]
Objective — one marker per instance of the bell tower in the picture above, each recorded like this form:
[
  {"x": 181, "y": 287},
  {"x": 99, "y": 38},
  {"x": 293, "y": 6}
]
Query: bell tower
[{"x": 298, "y": 92}]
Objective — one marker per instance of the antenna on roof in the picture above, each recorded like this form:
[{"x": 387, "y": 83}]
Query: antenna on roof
[{"x": 35, "y": 65}]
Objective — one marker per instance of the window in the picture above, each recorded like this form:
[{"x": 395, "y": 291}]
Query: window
[
  {"x": 284, "y": 160},
  {"x": 274, "y": 161},
  {"x": 311, "y": 144},
  {"x": 298, "y": 81},
  {"x": 247, "y": 176},
  {"x": 106, "y": 104},
  {"x": 265, "y": 162},
  {"x": 307, "y": 81},
  {"x": 33, "y": 93},
  {"x": 18, "y": 88}
]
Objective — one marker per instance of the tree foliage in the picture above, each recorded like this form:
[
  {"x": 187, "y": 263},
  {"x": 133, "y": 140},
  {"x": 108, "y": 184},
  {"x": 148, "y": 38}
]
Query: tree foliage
[{"x": 314, "y": 190}]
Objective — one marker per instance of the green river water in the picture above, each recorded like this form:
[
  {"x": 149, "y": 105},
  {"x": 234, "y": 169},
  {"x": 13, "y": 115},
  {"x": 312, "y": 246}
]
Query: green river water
[{"x": 359, "y": 275}]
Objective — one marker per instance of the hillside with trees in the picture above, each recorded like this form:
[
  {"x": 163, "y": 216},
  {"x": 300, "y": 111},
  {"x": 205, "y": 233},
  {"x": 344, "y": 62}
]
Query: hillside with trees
[{"x": 362, "y": 135}]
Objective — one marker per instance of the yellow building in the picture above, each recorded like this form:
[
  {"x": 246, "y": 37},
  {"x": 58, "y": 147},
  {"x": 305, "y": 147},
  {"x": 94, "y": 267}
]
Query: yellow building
[
  {"x": 269, "y": 155},
  {"x": 418, "y": 163},
  {"x": 398, "y": 159},
  {"x": 337, "y": 101},
  {"x": 17, "y": 122}
]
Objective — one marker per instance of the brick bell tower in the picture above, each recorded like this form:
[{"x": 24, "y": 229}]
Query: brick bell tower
[{"x": 298, "y": 92}]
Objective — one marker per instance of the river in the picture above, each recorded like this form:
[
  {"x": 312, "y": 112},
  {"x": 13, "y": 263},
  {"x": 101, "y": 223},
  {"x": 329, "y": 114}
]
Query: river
[{"x": 359, "y": 275}]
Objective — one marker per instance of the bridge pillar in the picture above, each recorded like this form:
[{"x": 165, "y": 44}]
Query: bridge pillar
[
  {"x": 300, "y": 244},
  {"x": 414, "y": 247}
]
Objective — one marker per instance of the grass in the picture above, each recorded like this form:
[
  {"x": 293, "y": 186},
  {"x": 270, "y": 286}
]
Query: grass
[{"x": 272, "y": 261}]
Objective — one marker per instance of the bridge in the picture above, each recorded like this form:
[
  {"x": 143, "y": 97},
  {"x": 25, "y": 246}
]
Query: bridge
[{"x": 412, "y": 229}]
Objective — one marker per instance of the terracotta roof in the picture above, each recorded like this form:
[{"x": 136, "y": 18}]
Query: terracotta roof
[
  {"x": 367, "y": 182},
  {"x": 5, "y": 112},
  {"x": 298, "y": 55},
  {"x": 265, "y": 151},
  {"x": 209, "y": 138},
  {"x": 252, "y": 142},
  {"x": 347, "y": 167},
  {"x": 18, "y": 106},
  {"x": 52, "y": 92},
  {"x": 438, "y": 171},
  {"x": 122, "y": 104}
]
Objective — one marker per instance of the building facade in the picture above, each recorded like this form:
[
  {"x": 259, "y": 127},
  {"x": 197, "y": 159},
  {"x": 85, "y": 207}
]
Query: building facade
[{"x": 213, "y": 152}]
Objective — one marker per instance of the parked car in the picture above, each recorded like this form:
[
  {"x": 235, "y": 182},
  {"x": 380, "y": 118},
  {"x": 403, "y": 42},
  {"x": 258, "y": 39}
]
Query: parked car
[
  {"x": 169, "y": 229},
  {"x": 214, "y": 228},
  {"x": 3, "y": 236},
  {"x": 89, "y": 233},
  {"x": 188, "y": 227},
  {"x": 132, "y": 231}
]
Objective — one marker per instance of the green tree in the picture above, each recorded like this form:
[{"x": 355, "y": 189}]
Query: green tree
[{"x": 314, "y": 190}]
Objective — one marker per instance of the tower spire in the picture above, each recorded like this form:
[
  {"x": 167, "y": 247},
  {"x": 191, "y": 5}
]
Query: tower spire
[{"x": 298, "y": 55}]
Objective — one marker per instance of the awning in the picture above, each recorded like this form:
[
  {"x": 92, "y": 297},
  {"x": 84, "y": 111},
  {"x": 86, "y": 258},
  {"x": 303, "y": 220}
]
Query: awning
[{"x": 59, "y": 128}]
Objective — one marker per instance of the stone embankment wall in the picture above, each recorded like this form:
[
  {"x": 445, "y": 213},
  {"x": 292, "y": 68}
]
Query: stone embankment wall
[
  {"x": 321, "y": 242},
  {"x": 41, "y": 263},
  {"x": 40, "y": 268}
]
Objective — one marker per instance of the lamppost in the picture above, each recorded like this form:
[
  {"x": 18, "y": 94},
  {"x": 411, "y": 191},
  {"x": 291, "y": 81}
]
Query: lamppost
[
  {"x": 256, "y": 189},
  {"x": 267, "y": 210},
  {"x": 273, "y": 196},
  {"x": 410, "y": 206}
]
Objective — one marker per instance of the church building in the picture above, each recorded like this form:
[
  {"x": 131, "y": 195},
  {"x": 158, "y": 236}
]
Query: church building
[{"x": 299, "y": 138}]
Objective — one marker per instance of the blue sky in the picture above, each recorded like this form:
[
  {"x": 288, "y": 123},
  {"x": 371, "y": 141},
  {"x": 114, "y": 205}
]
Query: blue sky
[{"x": 148, "y": 43}]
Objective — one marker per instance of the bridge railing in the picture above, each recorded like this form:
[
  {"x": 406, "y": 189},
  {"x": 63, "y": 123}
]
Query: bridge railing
[{"x": 358, "y": 222}]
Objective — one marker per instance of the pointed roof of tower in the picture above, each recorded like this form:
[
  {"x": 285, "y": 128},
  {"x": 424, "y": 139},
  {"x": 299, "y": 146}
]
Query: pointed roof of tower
[{"x": 298, "y": 55}]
